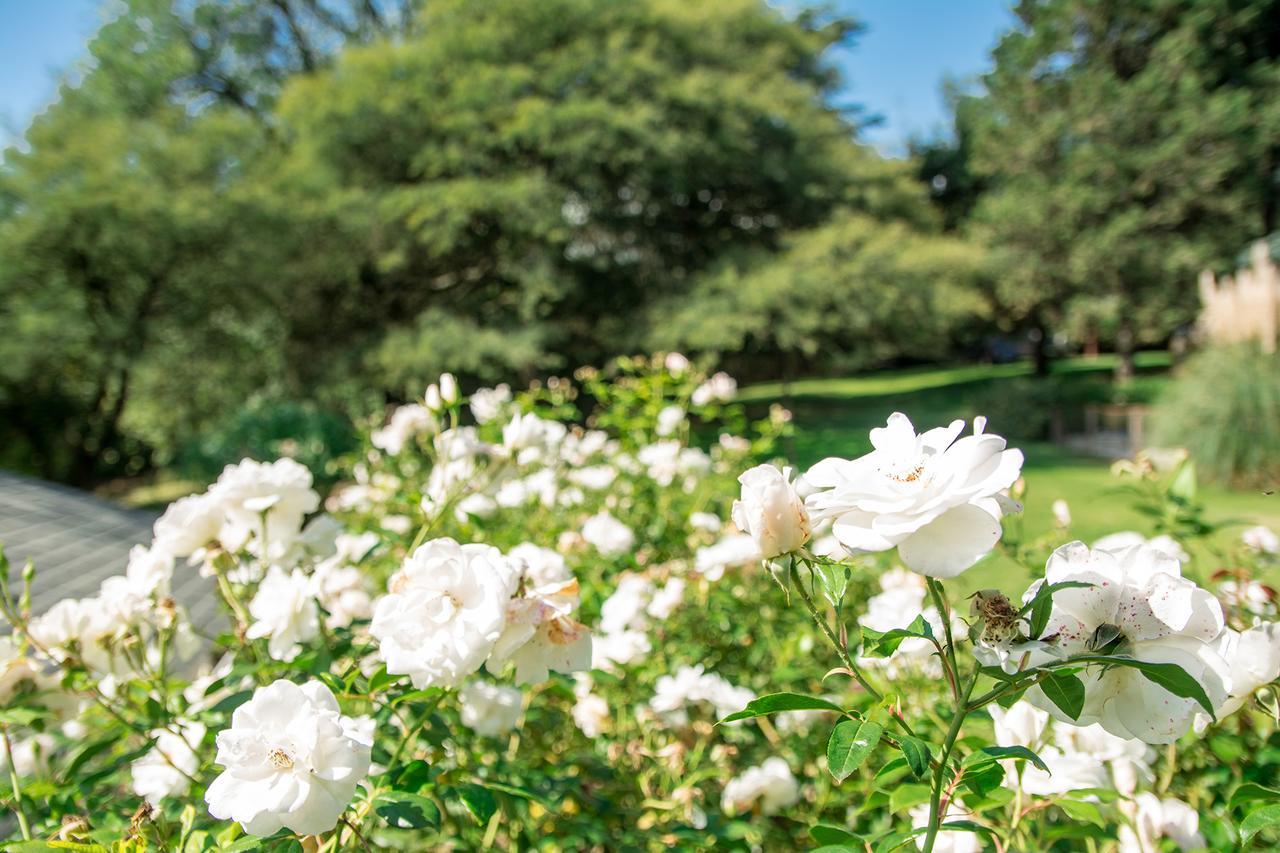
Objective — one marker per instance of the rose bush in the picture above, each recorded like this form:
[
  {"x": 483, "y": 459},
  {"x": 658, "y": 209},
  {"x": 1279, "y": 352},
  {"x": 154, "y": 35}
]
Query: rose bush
[{"x": 595, "y": 615}]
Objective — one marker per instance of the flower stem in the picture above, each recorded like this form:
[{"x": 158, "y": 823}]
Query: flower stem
[
  {"x": 839, "y": 647},
  {"x": 17, "y": 786},
  {"x": 939, "y": 775}
]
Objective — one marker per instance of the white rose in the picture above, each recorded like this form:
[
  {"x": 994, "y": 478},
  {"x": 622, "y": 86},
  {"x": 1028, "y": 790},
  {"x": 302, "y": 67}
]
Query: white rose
[
  {"x": 445, "y": 611},
  {"x": 340, "y": 589},
  {"x": 448, "y": 388},
  {"x": 291, "y": 760},
  {"x": 609, "y": 536},
  {"x": 167, "y": 770},
  {"x": 771, "y": 511},
  {"x": 1254, "y": 659},
  {"x": 720, "y": 388},
  {"x": 934, "y": 496},
  {"x": 771, "y": 785},
  {"x": 284, "y": 611},
  {"x": 947, "y": 841},
  {"x": 1157, "y": 819},
  {"x": 487, "y": 403},
  {"x": 188, "y": 524},
  {"x": 1261, "y": 539},
  {"x": 489, "y": 709},
  {"x": 590, "y": 712},
  {"x": 705, "y": 522},
  {"x": 736, "y": 550},
  {"x": 669, "y": 420},
  {"x": 281, "y": 491},
  {"x": 676, "y": 363},
  {"x": 1022, "y": 724},
  {"x": 406, "y": 423},
  {"x": 1163, "y": 543},
  {"x": 1139, "y": 598}
]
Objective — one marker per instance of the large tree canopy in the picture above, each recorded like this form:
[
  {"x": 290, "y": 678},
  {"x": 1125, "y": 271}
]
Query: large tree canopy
[{"x": 1126, "y": 145}]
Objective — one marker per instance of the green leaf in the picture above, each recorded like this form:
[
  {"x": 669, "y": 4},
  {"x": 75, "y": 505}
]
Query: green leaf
[
  {"x": 1083, "y": 811},
  {"x": 917, "y": 754},
  {"x": 850, "y": 744},
  {"x": 479, "y": 801},
  {"x": 1251, "y": 792},
  {"x": 406, "y": 811},
  {"x": 1066, "y": 691},
  {"x": 1037, "y": 610},
  {"x": 1263, "y": 818},
  {"x": 1183, "y": 486},
  {"x": 86, "y": 754},
  {"x": 904, "y": 797},
  {"x": 1016, "y": 752},
  {"x": 776, "y": 702},
  {"x": 883, "y": 645},
  {"x": 249, "y": 842},
  {"x": 828, "y": 835},
  {"x": 1170, "y": 676},
  {"x": 230, "y": 703},
  {"x": 834, "y": 580},
  {"x": 381, "y": 679},
  {"x": 21, "y": 716},
  {"x": 522, "y": 793}
]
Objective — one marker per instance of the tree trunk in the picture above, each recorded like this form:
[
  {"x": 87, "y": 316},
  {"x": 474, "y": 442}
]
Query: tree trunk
[
  {"x": 1124, "y": 351},
  {"x": 1040, "y": 347}
]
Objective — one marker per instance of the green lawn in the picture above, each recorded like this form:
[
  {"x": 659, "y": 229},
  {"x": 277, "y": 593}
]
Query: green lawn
[{"x": 833, "y": 417}]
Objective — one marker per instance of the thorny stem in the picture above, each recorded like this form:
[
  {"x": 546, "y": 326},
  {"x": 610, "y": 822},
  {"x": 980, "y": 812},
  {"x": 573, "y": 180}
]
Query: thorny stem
[{"x": 839, "y": 647}]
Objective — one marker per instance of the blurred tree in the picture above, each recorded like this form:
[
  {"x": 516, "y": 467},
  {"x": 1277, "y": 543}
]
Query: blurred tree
[
  {"x": 853, "y": 293},
  {"x": 946, "y": 162},
  {"x": 1127, "y": 145},
  {"x": 546, "y": 170},
  {"x": 140, "y": 303}
]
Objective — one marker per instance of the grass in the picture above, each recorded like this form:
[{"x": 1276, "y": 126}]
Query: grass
[{"x": 834, "y": 416}]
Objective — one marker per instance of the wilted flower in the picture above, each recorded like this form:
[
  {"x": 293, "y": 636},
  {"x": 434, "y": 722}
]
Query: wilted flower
[
  {"x": 771, "y": 785},
  {"x": 934, "y": 496},
  {"x": 284, "y": 611},
  {"x": 771, "y": 511},
  {"x": 291, "y": 760},
  {"x": 444, "y": 611},
  {"x": 489, "y": 709},
  {"x": 1137, "y": 603}
]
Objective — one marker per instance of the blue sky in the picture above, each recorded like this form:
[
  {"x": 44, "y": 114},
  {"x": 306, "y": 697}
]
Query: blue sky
[{"x": 895, "y": 70}]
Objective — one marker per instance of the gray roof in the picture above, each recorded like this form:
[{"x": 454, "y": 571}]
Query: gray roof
[{"x": 78, "y": 540}]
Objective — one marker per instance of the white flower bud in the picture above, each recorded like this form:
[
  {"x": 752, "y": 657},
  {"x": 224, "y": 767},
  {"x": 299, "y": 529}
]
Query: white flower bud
[
  {"x": 771, "y": 511},
  {"x": 448, "y": 388}
]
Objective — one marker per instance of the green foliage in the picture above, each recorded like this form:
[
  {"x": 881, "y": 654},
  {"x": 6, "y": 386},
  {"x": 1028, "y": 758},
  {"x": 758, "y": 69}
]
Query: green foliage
[
  {"x": 1126, "y": 146},
  {"x": 854, "y": 293},
  {"x": 1224, "y": 407},
  {"x": 266, "y": 429}
]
